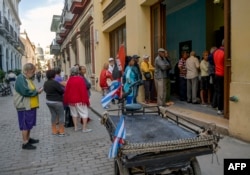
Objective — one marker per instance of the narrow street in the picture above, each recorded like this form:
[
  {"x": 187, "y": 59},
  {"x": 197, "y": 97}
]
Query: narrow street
[{"x": 78, "y": 153}]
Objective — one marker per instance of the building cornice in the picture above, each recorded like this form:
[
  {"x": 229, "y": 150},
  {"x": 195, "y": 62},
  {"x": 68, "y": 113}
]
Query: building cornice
[{"x": 15, "y": 11}]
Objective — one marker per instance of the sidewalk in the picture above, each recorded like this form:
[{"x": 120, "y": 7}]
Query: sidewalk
[{"x": 197, "y": 113}]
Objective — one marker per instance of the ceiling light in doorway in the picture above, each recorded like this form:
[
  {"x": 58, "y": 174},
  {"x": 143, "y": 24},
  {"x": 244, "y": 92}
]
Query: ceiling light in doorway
[{"x": 216, "y": 1}]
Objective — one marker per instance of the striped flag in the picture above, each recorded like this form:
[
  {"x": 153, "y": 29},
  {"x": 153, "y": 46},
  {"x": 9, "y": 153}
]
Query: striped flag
[
  {"x": 114, "y": 89},
  {"x": 120, "y": 134}
]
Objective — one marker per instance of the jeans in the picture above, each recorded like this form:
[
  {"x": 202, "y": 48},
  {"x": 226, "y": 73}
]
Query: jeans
[
  {"x": 148, "y": 89},
  {"x": 183, "y": 88}
]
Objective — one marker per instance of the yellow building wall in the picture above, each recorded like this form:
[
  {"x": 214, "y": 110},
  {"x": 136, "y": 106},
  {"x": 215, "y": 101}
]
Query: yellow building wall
[
  {"x": 136, "y": 16},
  {"x": 240, "y": 80}
]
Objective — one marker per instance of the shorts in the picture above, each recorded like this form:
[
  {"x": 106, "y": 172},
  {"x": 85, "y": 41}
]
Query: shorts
[
  {"x": 205, "y": 83},
  {"x": 27, "y": 119},
  {"x": 79, "y": 110}
]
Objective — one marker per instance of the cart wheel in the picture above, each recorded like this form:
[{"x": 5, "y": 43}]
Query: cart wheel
[
  {"x": 119, "y": 169},
  {"x": 196, "y": 170}
]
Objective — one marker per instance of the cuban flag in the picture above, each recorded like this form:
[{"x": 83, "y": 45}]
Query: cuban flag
[
  {"x": 120, "y": 134},
  {"x": 114, "y": 89}
]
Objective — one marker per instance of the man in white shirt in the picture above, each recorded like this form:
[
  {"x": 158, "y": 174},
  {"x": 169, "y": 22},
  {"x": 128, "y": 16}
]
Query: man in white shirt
[{"x": 192, "y": 66}]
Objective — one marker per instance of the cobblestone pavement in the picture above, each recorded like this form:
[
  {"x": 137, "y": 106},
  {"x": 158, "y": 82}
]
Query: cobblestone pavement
[{"x": 76, "y": 153}]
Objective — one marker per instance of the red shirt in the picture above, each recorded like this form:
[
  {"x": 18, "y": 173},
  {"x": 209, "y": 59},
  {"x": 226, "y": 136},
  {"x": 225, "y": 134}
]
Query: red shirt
[
  {"x": 76, "y": 91},
  {"x": 219, "y": 61},
  {"x": 105, "y": 74}
]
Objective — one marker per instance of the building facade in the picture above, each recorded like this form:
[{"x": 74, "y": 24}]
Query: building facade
[
  {"x": 74, "y": 34},
  {"x": 29, "y": 49},
  {"x": 11, "y": 48},
  {"x": 93, "y": 34}
]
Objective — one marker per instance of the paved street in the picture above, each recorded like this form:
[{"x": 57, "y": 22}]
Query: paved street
[{"x": 77, "y": 153}]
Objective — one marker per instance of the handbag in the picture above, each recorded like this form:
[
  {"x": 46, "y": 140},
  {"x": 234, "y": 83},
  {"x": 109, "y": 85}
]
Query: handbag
[{"x": 147, "y": 75}]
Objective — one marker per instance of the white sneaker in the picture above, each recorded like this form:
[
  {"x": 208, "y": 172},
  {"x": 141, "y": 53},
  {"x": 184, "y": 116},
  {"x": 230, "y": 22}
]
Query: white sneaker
[
  {"x": 220, "y": 112},
  {"x": 86, "y": 130}
]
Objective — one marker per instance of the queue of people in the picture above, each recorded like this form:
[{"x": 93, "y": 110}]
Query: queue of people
[
  {"x": 207, "y": 74},
  {"x": 200, "y": 81}
]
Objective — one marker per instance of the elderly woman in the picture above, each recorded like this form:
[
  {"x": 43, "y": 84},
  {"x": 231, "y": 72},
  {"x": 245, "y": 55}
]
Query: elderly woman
[
  {"x": 54, "y": 101},
  {"x": 76, "y": 96},
  {"x": 148, "y": 79},
  {"x": 26, "y": 102}
]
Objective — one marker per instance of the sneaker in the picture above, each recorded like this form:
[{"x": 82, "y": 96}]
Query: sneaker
[
  {"x": 33, "y": 141},
  {"x": 61, "y": 134},
  {"x": 220, "y": 112},
  {"x": 86, "y": 130},
  {"x": 28, "y": 146},
  {"x": 77, "y": 129}
]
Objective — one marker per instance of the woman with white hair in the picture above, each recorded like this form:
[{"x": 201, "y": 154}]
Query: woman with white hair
[
  {"x": 77, "y": 98},
  {"x": 26, "y": 102}
]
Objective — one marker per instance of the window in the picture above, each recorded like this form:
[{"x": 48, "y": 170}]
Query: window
[{"x": 117, "y": 37}]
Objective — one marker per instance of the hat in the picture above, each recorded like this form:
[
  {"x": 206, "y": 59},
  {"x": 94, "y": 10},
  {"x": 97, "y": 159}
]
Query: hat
[
  {"x": 135, "y": 56},
  {"x": 161, "y": 50},
  {"x": 145, "y": 56},
  {"x": 74, "y": 70},
  {"x": 111, "y": 59}
]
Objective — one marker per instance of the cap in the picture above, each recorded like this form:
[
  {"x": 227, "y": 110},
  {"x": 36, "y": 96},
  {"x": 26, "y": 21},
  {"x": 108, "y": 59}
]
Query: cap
[
  {"x": 111, "y": 59},
  {"x": 161, "y": 50},
  {"x": 145, "y": 56},
  {"x": 135, "y": 56},
  {"x": 74, "y": 70}
]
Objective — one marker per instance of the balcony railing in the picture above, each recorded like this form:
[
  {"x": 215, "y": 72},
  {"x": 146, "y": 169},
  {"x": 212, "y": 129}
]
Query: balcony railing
[
  {"x": 6, "y": 24},
  {"x": 112, "y": 8},
  {"x": 78, "y": 6}
]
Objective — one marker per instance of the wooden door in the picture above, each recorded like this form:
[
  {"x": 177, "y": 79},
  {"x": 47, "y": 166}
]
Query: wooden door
[
  {"x": 227, "y": 45},
  {"x": 158, "y": 28}
]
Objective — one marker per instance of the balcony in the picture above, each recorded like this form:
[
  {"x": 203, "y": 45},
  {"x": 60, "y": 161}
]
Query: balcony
[
  {"x": 78, "y": 6},
  {"x": 54, "y": 48},
  {"x": 112, "y": 8},
  {"x": 69, "y": 20}
]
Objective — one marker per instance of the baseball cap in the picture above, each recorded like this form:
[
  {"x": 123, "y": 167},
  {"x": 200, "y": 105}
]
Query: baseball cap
[
  {"x": 145, "y": 56},
  {"x": 111, "y": 59},
  {"x": 135, "y": 56},
  {"x": 161, "y": 50}
]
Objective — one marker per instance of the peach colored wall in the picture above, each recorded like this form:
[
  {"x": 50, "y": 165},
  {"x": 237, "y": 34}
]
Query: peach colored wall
[{"x": 240, "y": 85}]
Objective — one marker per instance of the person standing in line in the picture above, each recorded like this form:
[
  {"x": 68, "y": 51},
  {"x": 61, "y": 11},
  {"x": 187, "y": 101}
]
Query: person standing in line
[
  {"x": 11, "y": 77},
  {"x": 82, "y": 73},
  {"x": 26, "y": 102},
  {"x": 54, "y": 96},
  {"x": 192, "y": 65},
  {"x": 182, "y": 76},
  {"x": 130, "y": 78},
  {"x": 211, "y": 72},
  {"x": 136, "y": 69},
  {"x": 105, "y": 79},
  {"x": 219, "y": 57},
  {"x": 76, "y": 96},
  {"x": 148, "y": 82},
  {"x": 168, "y": 82},
  {"x": 161, "y": 68},
  {"x": 205, "y": 88}
]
